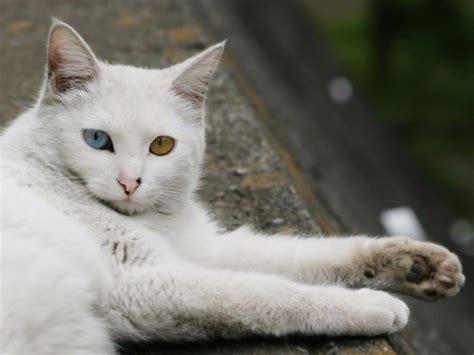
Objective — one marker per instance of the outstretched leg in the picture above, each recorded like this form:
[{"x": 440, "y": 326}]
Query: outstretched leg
[
  {"x": 423, "y": 270},
  {"x": 176, "y": 300}
]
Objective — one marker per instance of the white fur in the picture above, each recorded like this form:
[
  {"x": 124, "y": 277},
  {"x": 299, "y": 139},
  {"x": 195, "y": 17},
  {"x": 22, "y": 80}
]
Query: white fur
[
  {"x": 49, "y": 281},
  {"x": 82, "y": 265}
]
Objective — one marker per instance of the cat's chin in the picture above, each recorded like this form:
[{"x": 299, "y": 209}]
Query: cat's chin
[{"x": 126, "y": 207}]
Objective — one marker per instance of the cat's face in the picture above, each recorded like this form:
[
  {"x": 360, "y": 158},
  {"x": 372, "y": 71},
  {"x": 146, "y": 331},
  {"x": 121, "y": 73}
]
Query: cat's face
[
  {"x": 134, "y": 136},
  {"x": 106, "y": 140}
]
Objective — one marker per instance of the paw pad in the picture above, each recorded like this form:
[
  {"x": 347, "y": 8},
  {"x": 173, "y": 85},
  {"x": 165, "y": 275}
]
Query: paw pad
[
  {"x": 425, "y": 270},
  {"x": 419, "y": 271}
]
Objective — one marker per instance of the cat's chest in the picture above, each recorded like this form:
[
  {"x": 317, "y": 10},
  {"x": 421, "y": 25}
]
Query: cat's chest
[{"x": 127, "y": 240}]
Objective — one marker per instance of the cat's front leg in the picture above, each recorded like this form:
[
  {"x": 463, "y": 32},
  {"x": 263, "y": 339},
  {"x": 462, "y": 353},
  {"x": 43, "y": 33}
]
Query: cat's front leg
[
  {"x": 180, "y": 301},
  {"x": 419, "y": 269},
  {"x": 422, "y": 270}
]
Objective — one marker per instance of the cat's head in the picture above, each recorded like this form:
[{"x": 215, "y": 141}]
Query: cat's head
[{"x": 134, "y": 136}]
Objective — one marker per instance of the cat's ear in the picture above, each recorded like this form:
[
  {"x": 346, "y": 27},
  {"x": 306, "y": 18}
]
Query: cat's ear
[
  {"x": 194, "y": 74},
  {"x": 71, "y": 63}
]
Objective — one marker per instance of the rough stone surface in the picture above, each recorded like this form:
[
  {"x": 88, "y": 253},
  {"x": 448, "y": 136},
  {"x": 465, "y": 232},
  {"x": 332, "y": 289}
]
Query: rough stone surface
[
  {"x": 350, "y": 164},
  {"x": 249, "y": 177}
]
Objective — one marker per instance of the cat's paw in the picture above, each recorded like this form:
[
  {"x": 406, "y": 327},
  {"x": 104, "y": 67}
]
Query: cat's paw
[
  {"x": 378, "y": 312},
  {"x": 424, "y": 270}
]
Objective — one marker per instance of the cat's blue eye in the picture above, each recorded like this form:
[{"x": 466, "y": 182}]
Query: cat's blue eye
[{"x": 98, "y": 139}]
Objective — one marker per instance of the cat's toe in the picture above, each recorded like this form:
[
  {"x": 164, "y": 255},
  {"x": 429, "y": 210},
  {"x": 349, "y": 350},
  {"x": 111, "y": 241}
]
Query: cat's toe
[
  {"x": 449, "y": 277},
  {"x": 435, "y": 273},
  {"x": 420, "y": 269},
  {"x": 386, "y": 314},
  {"x": 401, "y": 314}
]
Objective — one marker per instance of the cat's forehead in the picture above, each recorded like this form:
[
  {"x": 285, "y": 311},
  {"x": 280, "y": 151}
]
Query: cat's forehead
[
  {"x": 131, "y": 99},
  {"x": 124, "y": 78},
  {"x": 134, "y": 90}
]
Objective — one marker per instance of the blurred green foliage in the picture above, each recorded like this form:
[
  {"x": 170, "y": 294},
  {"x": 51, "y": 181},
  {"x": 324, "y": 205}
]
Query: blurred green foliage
[{"x": 414, "y": 59}]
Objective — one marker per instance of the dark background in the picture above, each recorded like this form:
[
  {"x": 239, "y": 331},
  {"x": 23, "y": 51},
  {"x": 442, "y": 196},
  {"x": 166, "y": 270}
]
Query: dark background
[{"x": 414, "y": 62}]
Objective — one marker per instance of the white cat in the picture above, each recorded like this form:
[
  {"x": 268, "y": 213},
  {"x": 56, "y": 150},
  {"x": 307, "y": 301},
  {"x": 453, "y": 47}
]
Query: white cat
[{"x": 103, "y": 239}]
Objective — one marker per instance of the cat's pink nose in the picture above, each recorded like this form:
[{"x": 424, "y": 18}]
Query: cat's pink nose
[{"x": 129, "y": 185}]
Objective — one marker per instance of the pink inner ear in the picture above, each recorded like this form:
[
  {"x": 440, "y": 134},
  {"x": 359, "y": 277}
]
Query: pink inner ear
[
  {"x": 62, "y": 83},
  {"x": 56, "y": 43},
  {"x": 53, "y": 56}
]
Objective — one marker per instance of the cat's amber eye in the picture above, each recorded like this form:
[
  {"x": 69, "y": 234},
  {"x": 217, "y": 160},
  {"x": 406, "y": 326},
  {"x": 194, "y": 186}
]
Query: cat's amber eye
[{"x": 162, "y": 145}]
